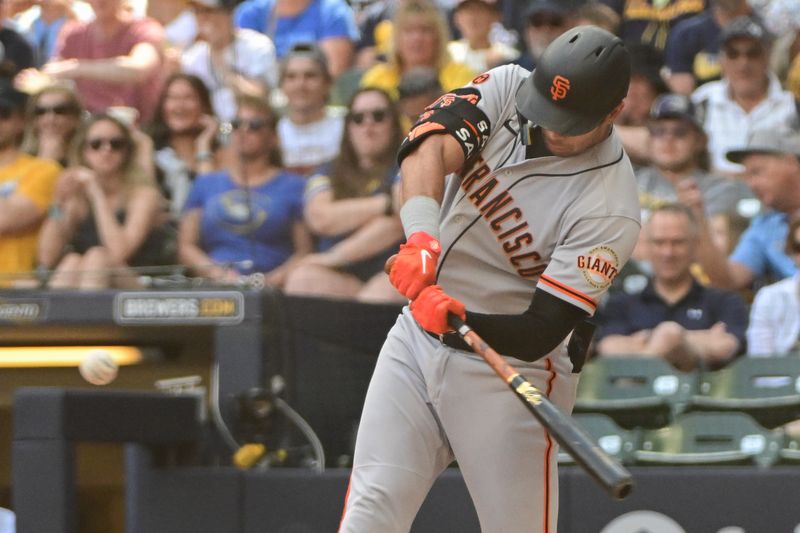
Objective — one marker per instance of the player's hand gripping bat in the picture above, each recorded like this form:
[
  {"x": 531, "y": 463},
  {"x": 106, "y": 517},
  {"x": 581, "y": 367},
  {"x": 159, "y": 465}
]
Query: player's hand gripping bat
[{"x": 609, "y": 473}]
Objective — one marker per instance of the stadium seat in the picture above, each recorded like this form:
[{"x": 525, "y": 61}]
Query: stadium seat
[
  {"x": 615, "y": 441},
  {"x": 767, "y": 388},
  {"x": 634, "y": 391},
  {"x": 709, "y": 438},
  {"x": 789, "y": 453}
]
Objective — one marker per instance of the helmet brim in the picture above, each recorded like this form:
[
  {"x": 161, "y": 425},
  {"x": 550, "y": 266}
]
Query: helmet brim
[{"x": 550, "y": 116}]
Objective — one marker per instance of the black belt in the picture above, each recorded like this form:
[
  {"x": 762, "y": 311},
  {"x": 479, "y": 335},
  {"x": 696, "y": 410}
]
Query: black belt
[{"x": 451, "y": 340}]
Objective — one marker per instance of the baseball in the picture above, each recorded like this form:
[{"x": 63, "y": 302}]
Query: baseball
[{"x": 98, "y": 367}]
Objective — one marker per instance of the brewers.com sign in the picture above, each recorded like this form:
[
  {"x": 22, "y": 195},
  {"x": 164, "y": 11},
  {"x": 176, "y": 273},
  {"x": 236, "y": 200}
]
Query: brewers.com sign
[{"x": 224, "y": 307}]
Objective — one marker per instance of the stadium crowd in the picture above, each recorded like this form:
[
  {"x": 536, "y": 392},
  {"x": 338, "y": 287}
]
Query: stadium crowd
[{"x": 222, "y": 138}]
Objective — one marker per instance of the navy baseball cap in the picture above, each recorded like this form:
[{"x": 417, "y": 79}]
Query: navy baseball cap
[
  {"x": 546, "y": 6},
  {"x": 675, "y": 106},
  {"x": 772, "y": 141}
]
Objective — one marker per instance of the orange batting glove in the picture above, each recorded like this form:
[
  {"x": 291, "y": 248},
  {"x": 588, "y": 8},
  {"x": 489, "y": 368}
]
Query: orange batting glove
[
  {"x": 431, "y": 307},
  {"x": 414, "y": 266}
]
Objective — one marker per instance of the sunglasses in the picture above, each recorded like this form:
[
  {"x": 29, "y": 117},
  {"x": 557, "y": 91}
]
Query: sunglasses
[
  {"x": 115, "y": 143},
  {"x": 254, "y": 124},
  {"x": 58, "y": 109},
  {"x": 679, "y": 132},
  {"x": 377, "y": 116},
  {"x": 751, "y": 53}
]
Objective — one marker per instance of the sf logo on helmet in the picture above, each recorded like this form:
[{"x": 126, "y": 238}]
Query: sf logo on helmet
[{"x": 560, "y": 88}]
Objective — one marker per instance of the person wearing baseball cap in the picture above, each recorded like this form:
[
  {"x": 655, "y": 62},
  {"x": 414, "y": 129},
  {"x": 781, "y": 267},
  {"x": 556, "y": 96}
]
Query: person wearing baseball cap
[
  {"x": 519, "y": 207},
  {"x": 229, "y": 60},
  {"x": 771, "y": 159},
  {"x": 677, "y": 149},
  {"x": 544, "y": 21},
  {"x": 749, "y": 96}
]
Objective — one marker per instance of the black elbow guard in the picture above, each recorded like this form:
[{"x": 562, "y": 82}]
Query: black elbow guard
[{"x": 456, "y": 114}]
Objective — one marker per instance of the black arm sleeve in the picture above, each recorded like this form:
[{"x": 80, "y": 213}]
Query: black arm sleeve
[{"x": 534, "y": 333}]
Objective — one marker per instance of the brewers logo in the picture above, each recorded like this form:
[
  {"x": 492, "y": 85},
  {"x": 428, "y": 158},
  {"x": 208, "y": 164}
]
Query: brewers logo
[
  {"x": 560, "y": 88},
  {"x": 599, "y": 267}
]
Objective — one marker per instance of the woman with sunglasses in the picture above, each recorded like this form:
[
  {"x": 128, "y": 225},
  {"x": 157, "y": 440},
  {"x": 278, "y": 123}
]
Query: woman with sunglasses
[
  {"x": 419, "y": 39},
  {"x": 53, "y": 116},
  {"x": 105, "y": 212},
  {"x": 184, "y": 132},
  {"x": 350, "y": 208},
  {"x": 247, "y": 219}
]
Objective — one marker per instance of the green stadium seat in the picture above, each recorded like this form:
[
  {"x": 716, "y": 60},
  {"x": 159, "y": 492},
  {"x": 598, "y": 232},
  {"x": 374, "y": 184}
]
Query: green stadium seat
[
  {"x": 635, "y": 391},
  {"x": 615, "y": 441},
  {"x": 767, "y": 388},
  {"x": 709, "y": 438}
]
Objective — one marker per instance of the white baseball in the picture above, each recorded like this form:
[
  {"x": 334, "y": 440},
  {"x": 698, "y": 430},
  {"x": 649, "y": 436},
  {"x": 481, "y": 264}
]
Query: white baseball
[{"x": 98, "y": 367}]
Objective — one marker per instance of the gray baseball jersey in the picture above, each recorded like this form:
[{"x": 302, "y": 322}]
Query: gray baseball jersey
[{"x": 509, "y": 224}]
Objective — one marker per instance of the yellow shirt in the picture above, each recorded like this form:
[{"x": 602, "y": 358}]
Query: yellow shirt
[
  {"x": 387, "y": 77},
  {"x": 34, "y": 179}
]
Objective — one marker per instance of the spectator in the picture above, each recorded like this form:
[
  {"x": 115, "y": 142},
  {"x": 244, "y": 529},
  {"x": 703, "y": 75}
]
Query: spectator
[
  {"x": 772, "y": 171},
  {"x": 747, "y": 98},
  {"x": 115, "y": 60},
  {"x": 544, "y": 21},
  {"x": 26, "y": 188},
  {"x": 678, "y": 152},
  {"x": 230, "y": 61},
  {"x": 184, "y": 133},
  {"x": 674, "y": 317},
  {"x": 475, "y": 19},
  {"x": 53, "y": 117},
  {"x": 650, "y": 21},
  {"x": 420, "y": 36},
  {"x": 310, "y": 132},
  {"x": 350, "y": 208},
  {"x": 249, "y": 219},
  {"x": 375, "y": 29},
  {"x": 104, "y": 216},
  {"x": 597, "y": 14},
  {"x": 775, "y": 314},
  {"x": 44, "y": 23},
  {"x": 329, "y": 23},
  {"x": 692, "y": 52},
  {"x": 418, "y": 88}
]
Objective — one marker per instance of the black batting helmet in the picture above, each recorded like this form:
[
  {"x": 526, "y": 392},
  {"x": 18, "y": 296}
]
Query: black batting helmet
[{"x": 580, "y": 78}]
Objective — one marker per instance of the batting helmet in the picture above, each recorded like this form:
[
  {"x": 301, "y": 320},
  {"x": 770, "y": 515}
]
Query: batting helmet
[{"x": 578, "y": 81}]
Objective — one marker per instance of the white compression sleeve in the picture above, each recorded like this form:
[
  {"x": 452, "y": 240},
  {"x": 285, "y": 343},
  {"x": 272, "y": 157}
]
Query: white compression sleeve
[{"x": 420, "y": 213}]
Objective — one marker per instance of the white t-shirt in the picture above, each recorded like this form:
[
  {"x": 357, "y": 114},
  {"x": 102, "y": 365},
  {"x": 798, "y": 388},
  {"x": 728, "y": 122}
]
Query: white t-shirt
[
  {"x": 252, "y": 54},
  {"x": 306, "y": 146},
  {"x": 182, "y": 30}
]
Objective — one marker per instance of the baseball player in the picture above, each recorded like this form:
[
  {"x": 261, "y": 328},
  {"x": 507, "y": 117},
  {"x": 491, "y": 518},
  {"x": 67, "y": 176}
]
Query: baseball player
[{"x": 520, "y": 207}]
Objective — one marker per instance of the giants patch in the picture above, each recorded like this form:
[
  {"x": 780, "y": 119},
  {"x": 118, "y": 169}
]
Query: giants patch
[{"x": 599, "y": 267}]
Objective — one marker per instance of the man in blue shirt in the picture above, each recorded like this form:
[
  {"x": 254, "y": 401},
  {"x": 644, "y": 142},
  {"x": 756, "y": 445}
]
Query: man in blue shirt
[
  {"x": 329, "y": 23},
  {"x": 674, "y": 317},
  {"x": 772, "y": 171}
]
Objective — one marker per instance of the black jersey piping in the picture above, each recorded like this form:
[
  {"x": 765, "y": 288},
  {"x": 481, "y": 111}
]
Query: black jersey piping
[{"x": 447, "y": 252}]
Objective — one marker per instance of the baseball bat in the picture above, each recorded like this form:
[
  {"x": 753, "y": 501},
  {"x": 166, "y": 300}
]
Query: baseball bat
[{"x": 608, "y": 472}]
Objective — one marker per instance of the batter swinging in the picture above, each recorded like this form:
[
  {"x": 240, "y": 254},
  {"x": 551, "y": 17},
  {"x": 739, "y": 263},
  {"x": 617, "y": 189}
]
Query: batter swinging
[{"x": 520, "y": 209}]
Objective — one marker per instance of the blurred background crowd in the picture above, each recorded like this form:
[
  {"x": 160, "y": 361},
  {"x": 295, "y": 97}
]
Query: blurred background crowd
[{"x": 206, "y": 141}]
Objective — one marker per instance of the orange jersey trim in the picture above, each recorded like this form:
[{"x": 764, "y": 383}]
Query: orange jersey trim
[
  {"x": 547, "y": 453},
  {"x": 346, "y": 497},
  {"x": 569, "y": 291}
]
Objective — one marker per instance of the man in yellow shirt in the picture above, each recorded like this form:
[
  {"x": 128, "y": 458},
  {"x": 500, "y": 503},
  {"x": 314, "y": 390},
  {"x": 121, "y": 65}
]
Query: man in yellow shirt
[{"x": 26, "y": 188}]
